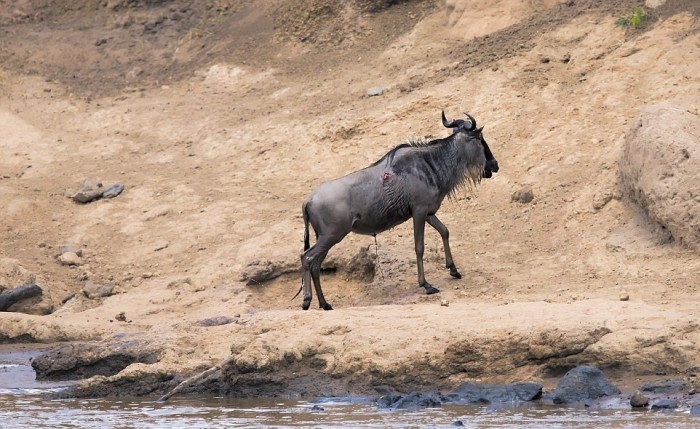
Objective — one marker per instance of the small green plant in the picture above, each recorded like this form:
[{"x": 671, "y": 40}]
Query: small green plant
[{"x": 633, "y": 20}]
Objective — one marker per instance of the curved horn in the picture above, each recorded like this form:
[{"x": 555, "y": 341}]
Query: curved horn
[
  {"x": 471, "y": 118},
  {"x": 454, "y": 124}
]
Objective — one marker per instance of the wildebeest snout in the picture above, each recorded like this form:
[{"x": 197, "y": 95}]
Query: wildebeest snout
[{"x": 490, "y": 168}]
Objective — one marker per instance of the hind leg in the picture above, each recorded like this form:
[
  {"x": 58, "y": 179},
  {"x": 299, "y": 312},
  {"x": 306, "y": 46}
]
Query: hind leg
[
  {"x": 311, "y": 261},
  {"x": 306, "y": 288}
]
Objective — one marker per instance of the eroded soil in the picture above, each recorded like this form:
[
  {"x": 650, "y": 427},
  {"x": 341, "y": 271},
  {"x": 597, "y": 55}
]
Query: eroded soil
[{"x": 220, "y": 118}]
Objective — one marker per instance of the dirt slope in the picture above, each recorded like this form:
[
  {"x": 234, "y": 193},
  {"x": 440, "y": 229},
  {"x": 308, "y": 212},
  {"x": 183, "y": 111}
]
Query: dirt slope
[{"x": 220, "y": 119}]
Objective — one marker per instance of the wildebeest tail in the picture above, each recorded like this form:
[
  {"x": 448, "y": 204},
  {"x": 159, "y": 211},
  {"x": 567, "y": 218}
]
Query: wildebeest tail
[
  {"x": 306, "y": 226},
  {"x": 306, "y": 244}
]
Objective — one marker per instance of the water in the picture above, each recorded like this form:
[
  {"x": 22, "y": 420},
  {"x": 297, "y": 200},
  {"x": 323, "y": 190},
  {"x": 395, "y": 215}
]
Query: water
[{"x": 23, "y": 405}]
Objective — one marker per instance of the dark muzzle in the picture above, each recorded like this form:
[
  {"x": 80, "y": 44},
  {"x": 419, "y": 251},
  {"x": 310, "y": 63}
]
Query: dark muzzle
[{"x": 490, "y": 168}]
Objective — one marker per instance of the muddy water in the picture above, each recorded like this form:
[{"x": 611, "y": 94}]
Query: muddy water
[{"x": 23, "y": 405}]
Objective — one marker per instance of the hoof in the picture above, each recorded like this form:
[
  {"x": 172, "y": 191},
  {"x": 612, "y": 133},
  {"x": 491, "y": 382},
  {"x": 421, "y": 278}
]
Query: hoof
[
  {"x": 306, "y": 304},
  {"x": 429, "y": 290},
  {"x": 454, "y": 273},
  {"x": 327, "y": 307}
]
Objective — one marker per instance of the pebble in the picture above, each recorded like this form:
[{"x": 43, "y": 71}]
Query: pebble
[
  {"x": 70, "y": 259},
  {"x": 113, "y": 191}
]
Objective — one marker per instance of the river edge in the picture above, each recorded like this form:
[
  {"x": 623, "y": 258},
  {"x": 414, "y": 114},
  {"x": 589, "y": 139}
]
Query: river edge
[
  {"x": 350, "y": 352},
  {"x": 15, "y": 362}
]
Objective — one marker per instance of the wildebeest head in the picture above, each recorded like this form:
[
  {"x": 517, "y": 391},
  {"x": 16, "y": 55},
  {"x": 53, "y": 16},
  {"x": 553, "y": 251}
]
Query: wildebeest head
[{"x": 458, "y": 125}]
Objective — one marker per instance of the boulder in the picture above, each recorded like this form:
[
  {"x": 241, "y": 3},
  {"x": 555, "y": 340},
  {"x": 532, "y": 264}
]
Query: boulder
[
  {"x": 12, "y": 296},
  {"x": 695, "y": 410},
  {"x": 582, "y": 383},
  {"x": 668, "y": 386},
  {"x": 665, "y": 404},
  {"x": 658, "y": 171},
  {"x": 489, "y": 393},
  {"x": 638, "y": 400},
  {"x": 414, "y": 400}
]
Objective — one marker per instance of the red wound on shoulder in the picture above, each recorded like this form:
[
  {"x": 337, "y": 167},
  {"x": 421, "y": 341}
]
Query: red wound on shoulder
[{"x": 385, "y": 176}]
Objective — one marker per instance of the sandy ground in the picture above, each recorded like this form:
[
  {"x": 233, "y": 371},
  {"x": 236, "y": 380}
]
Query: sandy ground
[{"x": 220, "y": 121}]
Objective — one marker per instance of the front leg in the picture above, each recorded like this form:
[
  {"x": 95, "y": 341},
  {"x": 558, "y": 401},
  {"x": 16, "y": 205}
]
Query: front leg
[
  {"x": 418, "y": 237},
  {"x": 445, "y": 234}
]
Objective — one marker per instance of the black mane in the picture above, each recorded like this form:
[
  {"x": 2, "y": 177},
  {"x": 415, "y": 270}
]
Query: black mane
[{"x": 419, "y": 142}]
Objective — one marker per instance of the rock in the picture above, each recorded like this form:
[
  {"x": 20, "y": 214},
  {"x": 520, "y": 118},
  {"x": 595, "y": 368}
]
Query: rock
[
  {"x": 68, "y": 297},
  {"x": 121, "y": 317},
  {"x": 665, "y": 404},
  {"x": 260, "y": 271},
  {"x": 94, "y": 290},
  {"x": 624, "y": 296},
  {"x": 388, "y": 399},
  {"x": 695, "y": 410},
  {"x": 601, "y": 199},
  {"x": 215, "y": 321},
  {"x": 160, "y": 246},
  {"x": 91, "y": 189},
  {"x": 458, "y": 423},
  {"x": 70, "y": 259},
  {"x": 375, "y": 91},
  {"x": 411, "y": 401},
  {"x": 113, "y": 190},
  {"x": 8, "y": 298},
  {"x": 83, "y": 360},
  {"x": 658, "y": 171},
  {"x": 554, "y": 343},
  {"x": 638, "y": 400},
  {"x": 653, "y": 4},
  {"x": 581, "y": 383},
  {"x": 88, "y": 190},
  {"x": 489, "y": 393},
  {"x": 317, "y": 407},
  {"x": 70, "y": 248},
  {"x": 523, "y": 196},
  {"x": 669, "y": 386}
]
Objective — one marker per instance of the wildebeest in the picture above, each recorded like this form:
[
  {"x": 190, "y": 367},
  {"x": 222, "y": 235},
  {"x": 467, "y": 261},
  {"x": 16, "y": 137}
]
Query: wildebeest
[{"x": 410, "y": 181}]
